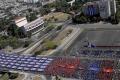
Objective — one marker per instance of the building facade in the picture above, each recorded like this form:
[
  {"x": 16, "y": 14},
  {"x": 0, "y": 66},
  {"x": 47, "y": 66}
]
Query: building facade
[
  {"x": 34, "y": 26},
  {"x": 21, "y": 21},
  {"x": 90, "y": 9},
  {"x": 107, "y": 8},
  {"x": 104, "y": 8}
]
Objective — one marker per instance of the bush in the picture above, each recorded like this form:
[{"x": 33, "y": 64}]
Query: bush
[
  {"x": 55, "y": 19},
  {"x": 59, "y": 27},
  {"x": 38, "y": 52},
  {"x": 50, "y": 45},
  {"x": 26, "y": 44},
  {"x": 9, "y": 41},
  {"x": 13, "y": 75},
  {"x": 5, "y": 77},
  {"x": 80, "y": 19},
  {"x": 70, "y": 31},
  {"x": 49, "y": 28}
]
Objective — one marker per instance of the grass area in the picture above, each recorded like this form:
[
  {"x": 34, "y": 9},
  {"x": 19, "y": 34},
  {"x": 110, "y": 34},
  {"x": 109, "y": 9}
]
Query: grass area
[
  {"x": 37, "y": 77},
  {"x": 58, "y": 16},
  {"x": 48, "y": 44},
  {"x": 50, "y": 26},
  {"x": 63, "y": 35},
  {"x": 5, "y": 77}
]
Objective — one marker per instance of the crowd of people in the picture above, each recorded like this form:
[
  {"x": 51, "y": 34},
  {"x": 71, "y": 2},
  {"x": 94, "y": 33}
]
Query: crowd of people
[{"x": 65, "y": 67}]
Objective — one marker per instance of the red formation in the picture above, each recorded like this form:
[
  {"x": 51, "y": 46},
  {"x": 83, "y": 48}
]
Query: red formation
[
  {"x": 107, "y": 70},
  {"x": 63, "y": 66}
]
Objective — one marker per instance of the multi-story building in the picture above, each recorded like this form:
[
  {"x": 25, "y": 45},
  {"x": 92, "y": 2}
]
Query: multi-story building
[
  {"x": 32, "y": 27},
  {"x": 90, "y": 9},
  {"x": 107, "y": 8},
  {"x": 104, "y": 8}
]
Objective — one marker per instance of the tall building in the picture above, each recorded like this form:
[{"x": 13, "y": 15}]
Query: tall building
[
  {"x": 107, "y": 8},
  {"x": 104, "y": 8},
  {"x": 113, "y": 7}
]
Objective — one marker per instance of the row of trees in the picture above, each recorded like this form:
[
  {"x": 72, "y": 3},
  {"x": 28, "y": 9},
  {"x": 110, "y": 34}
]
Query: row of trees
[
  {"x": 31, "y": 16},
  {"x": 81, "y": 18},
  {"x": 15, "y": 31},
  {"x": 9, "y": 41}
]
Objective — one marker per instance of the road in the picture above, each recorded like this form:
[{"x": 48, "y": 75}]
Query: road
[{"x": 98, "y": 25}]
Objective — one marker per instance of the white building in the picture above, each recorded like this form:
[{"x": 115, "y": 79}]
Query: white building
[
  {"x": 104, "y": 8},
  {"x": 35, "y": 26},
  {"x": 107, "y": 8},
  {"x": 21, "y": 21},
  {"x": 32, "y": 27}
]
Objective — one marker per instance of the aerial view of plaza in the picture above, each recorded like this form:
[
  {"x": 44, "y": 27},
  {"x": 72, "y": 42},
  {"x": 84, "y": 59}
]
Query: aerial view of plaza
[{"x": 59, "y": 39}]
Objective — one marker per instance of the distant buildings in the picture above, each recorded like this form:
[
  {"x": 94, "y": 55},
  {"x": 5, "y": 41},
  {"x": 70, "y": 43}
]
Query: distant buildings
[
  {"x": 105, "y": 8},
  {"x": 32, "y": 27},
  {"x": 43, "y": 2},
  {"x": 31, "y": 1}
]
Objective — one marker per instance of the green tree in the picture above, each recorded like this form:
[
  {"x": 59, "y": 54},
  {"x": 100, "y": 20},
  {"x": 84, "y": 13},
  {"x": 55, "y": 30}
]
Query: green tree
[
  {"x": 62, "y": 5},
  {"x": 44, "y": 11},
  {"x": 5, "y": 77},
  {"x": 13, "y": 75},
  {"x": 50, "y": 45},
  {"x": 80, "y": 19},
  {"x": 49, "y": 28},
  {"x": 59, "y": 27},
  {"x": 13, "y": 30},
  {"x": 31, "y": 17}
]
